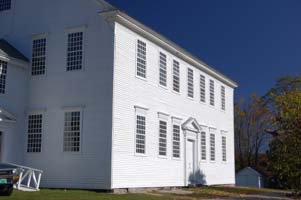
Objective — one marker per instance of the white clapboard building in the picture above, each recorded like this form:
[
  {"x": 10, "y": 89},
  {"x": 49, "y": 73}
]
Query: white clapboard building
[{"x": 97, "y": 100}]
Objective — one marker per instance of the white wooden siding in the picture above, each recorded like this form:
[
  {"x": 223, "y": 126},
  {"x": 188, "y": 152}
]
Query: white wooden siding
[
  {"x": 89, "y": 88},
  {"x": 150, "y": 170}
]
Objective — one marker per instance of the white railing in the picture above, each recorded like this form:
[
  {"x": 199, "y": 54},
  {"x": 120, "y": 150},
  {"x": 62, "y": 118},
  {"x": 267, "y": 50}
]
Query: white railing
[{"x": 29, "y": 180}]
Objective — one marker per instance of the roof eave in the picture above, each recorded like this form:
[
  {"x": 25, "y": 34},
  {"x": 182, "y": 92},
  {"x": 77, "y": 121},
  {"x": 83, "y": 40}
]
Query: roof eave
[
  {"x": 141, "y": 29},
  {"x": 14, "y": 61}
]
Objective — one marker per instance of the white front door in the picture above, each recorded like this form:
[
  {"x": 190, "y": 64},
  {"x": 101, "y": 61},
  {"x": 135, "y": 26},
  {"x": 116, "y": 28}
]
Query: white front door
[{"x": 190, "y": 162}]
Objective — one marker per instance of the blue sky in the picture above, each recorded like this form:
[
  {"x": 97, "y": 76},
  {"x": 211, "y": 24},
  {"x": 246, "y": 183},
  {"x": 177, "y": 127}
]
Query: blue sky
[{"x": 251, "y": 41}]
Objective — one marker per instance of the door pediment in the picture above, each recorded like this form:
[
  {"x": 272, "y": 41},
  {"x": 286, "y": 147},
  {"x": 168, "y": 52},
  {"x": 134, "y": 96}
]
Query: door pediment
[
  {"x": 191, "y": 125},
  {"x": 6, "y": 116}
]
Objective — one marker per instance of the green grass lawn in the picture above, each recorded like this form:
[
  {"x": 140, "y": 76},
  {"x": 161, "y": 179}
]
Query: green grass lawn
[
  {"x": 76, "y": 195},
  {"x": 195, "y": 193}
]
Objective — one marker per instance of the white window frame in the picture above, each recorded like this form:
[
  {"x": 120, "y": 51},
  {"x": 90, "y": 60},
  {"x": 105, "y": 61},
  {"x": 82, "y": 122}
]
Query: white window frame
[
  {"x": 31, "y": 132},
  {"x": 174, "y": 140},
  {"x": 212, "y": 92},
  {"x": 71, "y": 110},
  {"x": 212, "y": 144},
  {"x": 163, "y": 69},
  {"x": 223, "y": 98},
  {"x": 190, "y": 83},
  {"x": 34, "y": 38},
  {"x": 224, "y": 149},
  {"x": 3, "y": 76},
  {"x": 140, "y": 111},
  {"x": 84, "y": 43},
  {"x": 176, "y": 121},
  {"x": 203, "y": 145},
  {"x": 143, "y": 66},
  {"x": 203, "y": 88},
  {"x": 162, "y": 147},
  {"x": 162, "y": 117},
  {"x": 176, "y": 74},
  {"x": 8, "y": 5}
]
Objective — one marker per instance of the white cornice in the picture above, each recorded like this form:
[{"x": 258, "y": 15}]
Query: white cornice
[
  {"x": 134, "y": 25},
  {"x": 14, "y": 61}
]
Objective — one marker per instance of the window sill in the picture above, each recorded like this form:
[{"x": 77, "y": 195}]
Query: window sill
[
  {"x": 177, "y": 159},
  {"x": 203, "y": 103},
  {"x": 140, "y": 155},
  {"x": 75, "y": 70},
  {"x": 163, "y": 87},
  {"x": 175, "y": 92},
  {"x": 141, "y": 78},
  {"x": 190, "y": 98},
  {"x": 37, "y": 77},
  {"x": 162, "y": 157}
]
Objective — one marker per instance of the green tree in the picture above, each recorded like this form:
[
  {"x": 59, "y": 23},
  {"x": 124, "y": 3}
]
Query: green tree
[{"x": 285, "y": 151}]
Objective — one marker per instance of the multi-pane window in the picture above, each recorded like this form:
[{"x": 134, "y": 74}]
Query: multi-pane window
[
  {"x": 190, "y": 83},
  {"x": 5, "y": 5},
  {"x": 203, "y": 146},
  {"x": 212, "y": 147},
  {"x": 162, "y": 138},
  {"x": 163, "y": 70},
  {"x": 140, "y": 134},
  {"x": 223, "y": 97},
  {"x": 3, "y": 73},
  {"x": 141, "y": 59},
  {"x": 176, "y": 141},
  {"x": 211, "y": 89},
  {"x": 72, "y": 129},
  {"x": 34, "y": 140},
  {"x": 176, "y": 76},
  {"x": 224, "y": 148},
  {"x": 75, "y": 51},
  {"x": 38, "y": 61},
  {"x": 202, "y": 88}
]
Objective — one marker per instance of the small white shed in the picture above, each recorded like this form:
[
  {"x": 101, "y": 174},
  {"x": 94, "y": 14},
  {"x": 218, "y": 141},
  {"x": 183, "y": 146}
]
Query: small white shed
[{"x": 249, "y": 177}]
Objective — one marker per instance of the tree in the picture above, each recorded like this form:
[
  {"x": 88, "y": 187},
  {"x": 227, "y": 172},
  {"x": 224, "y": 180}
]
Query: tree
[
  {"x": 285, "y": 150},
  {"x": 251, "y": 119}
]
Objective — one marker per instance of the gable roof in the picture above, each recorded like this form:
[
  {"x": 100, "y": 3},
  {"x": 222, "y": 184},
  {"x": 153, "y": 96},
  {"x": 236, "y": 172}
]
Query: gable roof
[
  {"x": 250, "y": 169},
  {"x": 7, "y": 50},
  {"x": 112, "y": 13},
  {"x": 6, "y": 116}
]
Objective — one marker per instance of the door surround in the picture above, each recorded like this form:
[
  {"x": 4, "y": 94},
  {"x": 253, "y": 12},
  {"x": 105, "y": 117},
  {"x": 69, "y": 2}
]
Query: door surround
[{"x": 191, "y": 130}]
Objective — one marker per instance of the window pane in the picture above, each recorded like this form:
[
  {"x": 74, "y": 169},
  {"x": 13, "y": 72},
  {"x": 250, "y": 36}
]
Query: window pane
[
  {"x": 75, "y": 51},
  {"x": 140, "y": 134},
  {"x": 176, "y": 76},
  {"x": 212, "y": 98},
  {"x": 162, "y": 138},
  {"x": 72, "y": 132},
  {"x": 163, "y": 70},
  {"x": 176, "y": 141},
  {"x": 224, "y": 148},
  {"x": 212, "y": 147},
  {"x": 3, "y": 73},
  {"x": 38, "y": 61},
  {"x": 203, "y": 146},
  {"x": 141, "y": 59},
  {"x": 202, "y": 88},
  {"x": 5, "y": 5},
  {"x": 223, "y": 98},
  {"x": 190, "y": 83},
  {"x": 34, "y": 140}
]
